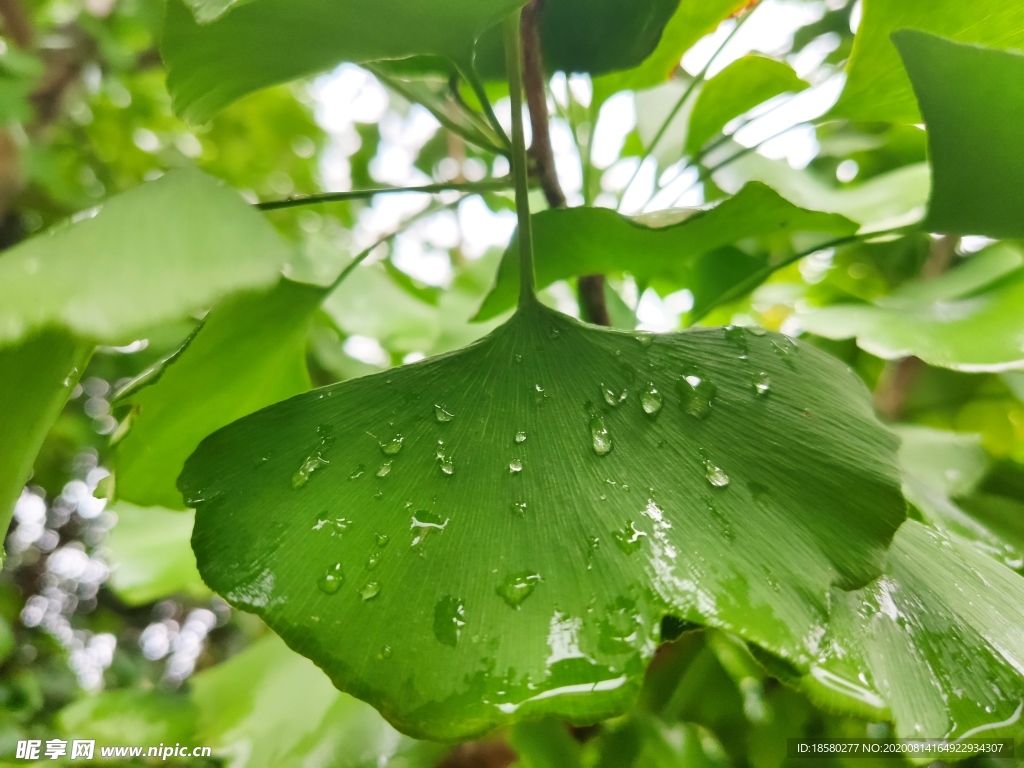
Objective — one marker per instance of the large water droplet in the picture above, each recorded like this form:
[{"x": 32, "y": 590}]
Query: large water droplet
[
  {"x": 392, "y": 446},
  {"x": 762, "y": 383},
  {"x": 370, "y": 590},
  {"x": 309, "y": 466},
  {"x": 449, "y": 619},
  {"x": 737, "y": 336},
  {"x": 520, "y": 437},
  {"x": 332, "y": 580},
  {"x": 602, "y": 441},
  {"x": 424, "y": 523},
  {"x": 517, "y": 587},
  {"x": 629, "y": 539},
  {"x": 443, "y": 416},
  {"x": 714, "y": 474},
  {"x": 515, "y": 466},
  {"x": 612, "y": 397},
  {"x": 651, "y": 399},
  {"x": 645, "y": 339},
  {"x": 696, "y": 392},
  {"x": 757, "y": 330},
  {"x": 384, "y": 470}
]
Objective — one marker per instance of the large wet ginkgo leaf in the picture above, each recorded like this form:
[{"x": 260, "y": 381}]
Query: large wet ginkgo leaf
[{"x": 497, "y": 533}]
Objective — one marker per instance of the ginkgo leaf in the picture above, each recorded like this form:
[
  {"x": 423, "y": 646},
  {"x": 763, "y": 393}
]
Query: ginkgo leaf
[
  {"x": 685, "y": 251},
  {"x": 496, "y": 533},
  {"x": 938, "y": 640},
  {"x": 155, "y": 253},
  {"x": 250, "y": 353},
  {"x": 877, "y": 87},
  {"x": 259, "y": 44},
  {"x": 737, "y": 89},
  {"x": 36, "y": 378},
  {"x": 969, "y": 319},
  {"x": 973, "y": 103}
]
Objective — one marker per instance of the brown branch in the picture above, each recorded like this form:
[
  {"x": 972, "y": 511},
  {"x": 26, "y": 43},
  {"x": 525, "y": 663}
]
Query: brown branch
[
  {"x": 591, "y": 287},
  {"x": 899, "y": 377},
  {"x": 16, "y": 23}
]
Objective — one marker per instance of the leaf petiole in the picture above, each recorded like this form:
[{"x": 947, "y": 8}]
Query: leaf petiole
[
  {"x": 520, "y": 169},
  {"x": 475, "y": 187}
]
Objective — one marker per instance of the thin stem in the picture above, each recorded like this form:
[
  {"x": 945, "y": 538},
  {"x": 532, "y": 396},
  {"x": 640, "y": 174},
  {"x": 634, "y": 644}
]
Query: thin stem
[
  {"x": 478, "y": 120},
  {"x": 745, "y": 287},
  {"x": 514, "y": 65},
  {"x": 701, "y": 76},
  {"x": 481, "y": 94},
  {"x": 475, "y": 187},
  {"x": 363, "y": 255},
  {"x": 471, "y": 134}
]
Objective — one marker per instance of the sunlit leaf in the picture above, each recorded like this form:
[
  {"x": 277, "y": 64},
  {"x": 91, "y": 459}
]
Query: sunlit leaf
[
  {"x": 738, "y": 88},
  {"x": 972, "y": 99},
  {"x": 150, "y": 555},
  {"x": 156, "y": 253},
  {"x": 938, "y": 639},
  {"x": 36, "y": 378},
  {"x": 250, "y": 353},
  {"x": 507, "y": 525},
  {"x": 273, "y": 41},
  {"x": 693, "y": 253},
  {"x": 877, "y": 86},
  {"x": 969, "y": 319}
]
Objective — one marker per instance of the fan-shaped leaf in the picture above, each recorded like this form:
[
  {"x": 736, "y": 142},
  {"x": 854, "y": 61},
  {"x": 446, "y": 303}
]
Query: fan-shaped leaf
[
  {"x": 972, "y": 99},
  {"x": 969, "y": 319},
  {"x": 738, "y": 88},
  {"x": 877, "y": 87},
  {"x": 689, "y": 253},
  {"x": 939, "y": 639},
  {"x": 156, "y": 253},
  {"x": 250, "y": 352},
  {"x": 496, "y": 533}
]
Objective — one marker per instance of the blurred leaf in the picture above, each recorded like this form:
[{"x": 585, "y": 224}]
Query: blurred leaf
[
  {"x": 157, "y": 253},
  {"x": 482, "y": 572},
  {"x": 684, "y": 251},
  {"x": 643, "y": 741},
  {"x": 734, "y": 91},
  {"x": 896, "y": 198},
  {"x": 692, "y": 20},
  {"x": 938, "y": 468},
  {"x": 36, "y": 378},
  {"x": 249, "y": 353},
  {"x": 131, "y": 716},
  {"x": 940, "y": 637},
  {"x": 972, "y": 99},
  {"x": 151, "y": 555},
  {"x": 6, "y": 640},
  {"x": 877, "y": 87},
  {"x": 273, "y": 41},
  {"x": 968, "y": 320},
  {"x": 544, "y": 744}
]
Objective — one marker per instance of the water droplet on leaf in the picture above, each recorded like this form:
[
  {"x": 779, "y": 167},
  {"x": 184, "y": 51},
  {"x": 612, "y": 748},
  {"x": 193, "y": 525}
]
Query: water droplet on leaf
[
  {"x": 332, "y": 580},
  {"x": 714, "y": 474},
  {"x": 358, "y": 472},
  {"x": 449, "y": 619},
  {"x": 517, "y": 587},
  {"x": 762, "y": 383},
  {"x": 737, "y": 336},
  {"x": 519, "y": 508},
  {"x": 373, "y": 562},
  {"x": 392, "y": 446},
  {"x": 611, "y": 397},
  {"x": 602, "y": 441},
  {"x": 515, "y": 466},
  {"x": 370, "y": 590},
  {"x": 442, "y": 415},
  {"x": 382, "y": 540},
  {"x": 651, "y": 399},
  {"x": 629, "y": 539},
  {"x": 385, "y": 468},
  {"x": 696, "y": 392},
  {"x": 520, "y": 437},
  {"x": 645, "y": 339}
]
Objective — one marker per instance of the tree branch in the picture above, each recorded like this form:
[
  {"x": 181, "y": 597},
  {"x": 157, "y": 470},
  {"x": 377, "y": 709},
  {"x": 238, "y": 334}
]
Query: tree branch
[
  {"x": 591, "y": 287},
  {"x": 16, "y": 23}
]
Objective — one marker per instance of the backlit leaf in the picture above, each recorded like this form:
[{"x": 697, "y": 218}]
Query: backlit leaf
[{"x": 507, "y": 525}]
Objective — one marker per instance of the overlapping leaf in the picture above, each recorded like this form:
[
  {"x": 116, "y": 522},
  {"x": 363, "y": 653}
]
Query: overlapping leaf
[
  {"x": 156, "y": 253},
  {"x": 738, "y": 88},
  {"x": 507, "y": 525},
  {"x": 250, "y": 353},
  {"x": 972, "y": 100},
  {"x": 877, "y": 87},
  {"x": 937, "y": 640},
  {"x": 696, "y": 253},
  {"x": 968, "y": 319}
]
